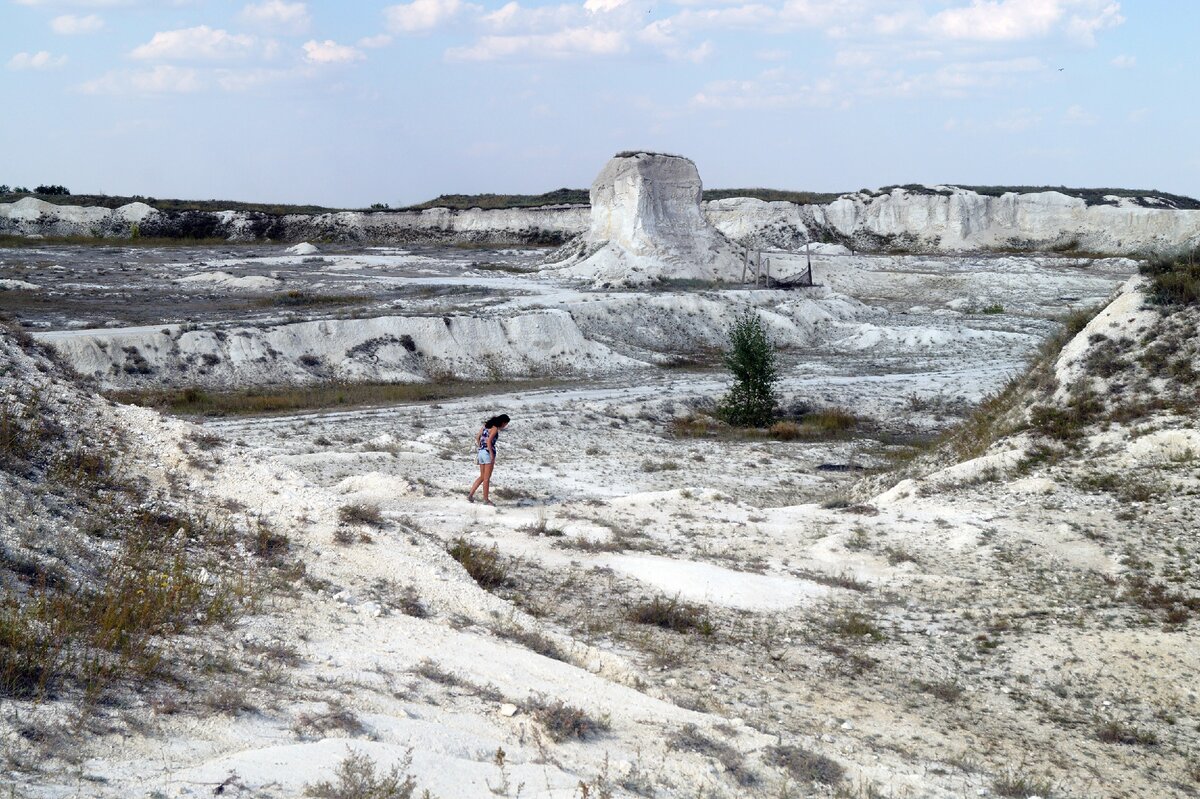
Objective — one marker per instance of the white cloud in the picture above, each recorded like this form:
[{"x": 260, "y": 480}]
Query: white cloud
[
  {"x": 513, "y": 17},
  {"x": 957, "y": 78},
  {"x": 749, "y": 15},
  {"x": 70, "y": 24},
  {"x": 330, "y": 52},
  {"x": 600, "y": 6},
  {"x": 422, "y": 15},
  {"x": 1078, "y": 115},
  {"x": 566, "y": 43},
  {"x": 38, "y": 60},
  {"x": 161, "y": 79},
  {"x": 1089, "y": 21},
  {"x": 277, "y": 16},
  {"x": 1015, "y": 20},
  {"x": 199, "y": 43},
  {"x": 773, "y": 89},
  {"x": 373, "y": 42},
  {"x": 998, "y": 20},
  {"x": 1124, "y": 62},
  {"x": 79, "y": 3}
]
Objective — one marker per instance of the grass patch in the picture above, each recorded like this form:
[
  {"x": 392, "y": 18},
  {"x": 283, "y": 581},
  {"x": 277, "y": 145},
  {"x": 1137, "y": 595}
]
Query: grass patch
[
  {"x": 169, "y": 576},
  {"x": 21, "y": 242},
  {"x": 672, "y": 614},
  {"x": 263, "y": 401},
  {"x": 484, "y": 564},
  {"x": 1116, "y": 732},
  {"x": 948, "y": 691},
  {"x": 304, "y": 299},
  {"x": 828, "y": 423}
]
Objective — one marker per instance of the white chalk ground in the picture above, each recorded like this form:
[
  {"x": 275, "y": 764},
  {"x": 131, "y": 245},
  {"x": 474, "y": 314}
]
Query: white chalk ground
[{"x": 998, "y": 589}]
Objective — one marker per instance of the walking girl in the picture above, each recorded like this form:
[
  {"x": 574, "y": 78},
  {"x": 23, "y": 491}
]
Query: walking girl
[{"x": 485, "y": 455}]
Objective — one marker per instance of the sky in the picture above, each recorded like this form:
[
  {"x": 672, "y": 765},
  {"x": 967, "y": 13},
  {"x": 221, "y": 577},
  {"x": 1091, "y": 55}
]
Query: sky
[{"x": 355, "y": 102}]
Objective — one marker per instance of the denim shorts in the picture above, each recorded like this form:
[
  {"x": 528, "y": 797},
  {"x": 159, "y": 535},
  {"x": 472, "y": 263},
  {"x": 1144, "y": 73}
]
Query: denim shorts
[{"x": 485, "y": 457}]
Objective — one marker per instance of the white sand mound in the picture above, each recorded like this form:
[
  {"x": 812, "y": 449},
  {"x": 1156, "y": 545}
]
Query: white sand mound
[
  {"x": 230, "y": 281},
  {"x": 647, "y": 225},
  {"x": 14, "y": 285},
  {"x": 304, "y": 248}
]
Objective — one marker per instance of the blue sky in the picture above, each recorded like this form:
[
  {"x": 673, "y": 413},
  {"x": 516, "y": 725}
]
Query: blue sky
[{"x": 349, "y": 103}]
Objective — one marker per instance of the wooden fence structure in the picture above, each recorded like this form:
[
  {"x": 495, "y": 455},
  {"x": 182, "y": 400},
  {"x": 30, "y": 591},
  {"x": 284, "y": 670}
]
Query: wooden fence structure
[{"x": 760, "y": 261}]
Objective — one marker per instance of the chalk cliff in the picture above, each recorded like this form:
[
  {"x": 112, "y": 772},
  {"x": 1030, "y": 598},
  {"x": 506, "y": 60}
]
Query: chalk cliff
[{"x": 940, "y": 219}]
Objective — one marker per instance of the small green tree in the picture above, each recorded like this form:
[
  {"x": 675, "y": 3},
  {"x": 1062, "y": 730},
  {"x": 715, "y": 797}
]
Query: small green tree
[{"x": 751, "y": 401}]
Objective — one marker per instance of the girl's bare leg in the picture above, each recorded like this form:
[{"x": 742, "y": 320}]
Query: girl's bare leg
[
  {"x": 486, "y": 476},
  {"x": 479, "y": 481}
]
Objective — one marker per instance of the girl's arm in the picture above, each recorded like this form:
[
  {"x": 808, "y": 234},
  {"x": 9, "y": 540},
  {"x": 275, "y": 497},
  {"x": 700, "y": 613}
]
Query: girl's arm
[{"x": 477, "y": 435}]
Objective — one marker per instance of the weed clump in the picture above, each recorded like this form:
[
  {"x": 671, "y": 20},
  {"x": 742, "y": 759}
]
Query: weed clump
[
  {"x": 366, "y": 513},
  {"x": 672, "y": 614},
  {"x": 1015, "y": 785},
  {"x": 485, "y": 565},
  {"x": 805, "y": 766},
  {"x": 358, "y": 778},
  {"x": 1115, "y": 732},
  {"x": 563, "y": 722}
]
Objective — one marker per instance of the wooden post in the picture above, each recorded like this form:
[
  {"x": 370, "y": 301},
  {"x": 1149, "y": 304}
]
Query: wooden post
[
  {"x": 745, "y": 264},
  {"x": 758, "y": 269},
  {"x": 767, "y": 283}
]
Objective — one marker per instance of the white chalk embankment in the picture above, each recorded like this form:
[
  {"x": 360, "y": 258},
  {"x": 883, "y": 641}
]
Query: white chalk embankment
[
  {"x": 601, "y": 335},
  {"x": 545, "y": 225},
  {"x": 947, "y": 220},
  {"x": 389, "y": 349}
]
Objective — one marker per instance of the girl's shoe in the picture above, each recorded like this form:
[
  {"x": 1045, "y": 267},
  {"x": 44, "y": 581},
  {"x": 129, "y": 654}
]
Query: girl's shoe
[{"x": 470, "y": 497}]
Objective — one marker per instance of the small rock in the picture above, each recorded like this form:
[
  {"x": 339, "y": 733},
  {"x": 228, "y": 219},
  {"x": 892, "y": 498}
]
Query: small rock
[{"x": 508, "y": 710}]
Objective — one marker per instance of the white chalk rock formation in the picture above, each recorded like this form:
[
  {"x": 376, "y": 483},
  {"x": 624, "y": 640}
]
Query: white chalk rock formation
[
  {"x": 303, "y": 248},
  {"x": 647, "y": 225}
]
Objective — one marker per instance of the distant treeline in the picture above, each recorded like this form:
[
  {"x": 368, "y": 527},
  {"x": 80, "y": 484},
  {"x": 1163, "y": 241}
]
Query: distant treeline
[{"x": 60, "y": 195}]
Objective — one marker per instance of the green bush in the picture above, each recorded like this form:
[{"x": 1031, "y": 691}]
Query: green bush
[
  {"x": 1175, "y": 280},
  {"x": 751, "y": 402}
]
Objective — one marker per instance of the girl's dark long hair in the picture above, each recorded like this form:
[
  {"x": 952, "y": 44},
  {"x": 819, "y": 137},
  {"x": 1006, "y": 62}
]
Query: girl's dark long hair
[{"x": 496, "y": 421}]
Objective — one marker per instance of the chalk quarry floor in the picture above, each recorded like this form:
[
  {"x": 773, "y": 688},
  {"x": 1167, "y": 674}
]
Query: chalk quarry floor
[
  {"x": 948, "y": 639},
  {"x": 962, "y": 635}
]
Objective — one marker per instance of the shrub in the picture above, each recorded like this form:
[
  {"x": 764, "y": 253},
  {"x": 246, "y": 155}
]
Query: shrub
[
  {"x": 1014, "y": 785},
  {"x": 806, "y": 766},
  {"x": 562, "y": 721},
  {"x": 1115, "y": 732},
  {"x": 751, "y": 401},
  {"x": 484, "y": 565},
  {"x": 855, "y": 624},
  {"x": 1174, "y": 280},
  {"x": 357, "y": 778},
  {"x": 361, "y": 513},
  {"x": 671, "y": 614}
]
